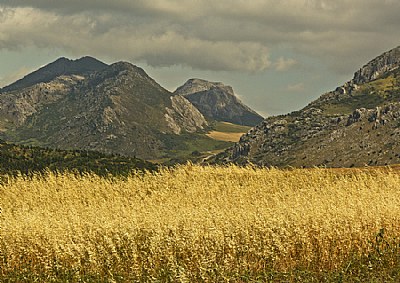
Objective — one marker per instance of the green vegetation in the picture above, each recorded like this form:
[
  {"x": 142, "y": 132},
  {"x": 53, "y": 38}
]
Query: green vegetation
[
  {"x": 194, "y": 147},
  {"x": 362, "y": 99},
  {"x": 28, "y": 160},
  {"x": 370, "y": 95},
  {"x": 230, "y": 128}
]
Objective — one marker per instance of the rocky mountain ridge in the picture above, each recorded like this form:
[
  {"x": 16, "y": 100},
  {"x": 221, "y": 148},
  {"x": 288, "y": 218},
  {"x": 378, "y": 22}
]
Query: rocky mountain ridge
[
  {"x": 86, "y": 104},
  {"x": 357, "y": 124},
  {"x": 115, "y": 109},
  {"x": 384, "y": 63},
  {"x": 61, "y": 66},
  {"x": 217, "y": 101}
]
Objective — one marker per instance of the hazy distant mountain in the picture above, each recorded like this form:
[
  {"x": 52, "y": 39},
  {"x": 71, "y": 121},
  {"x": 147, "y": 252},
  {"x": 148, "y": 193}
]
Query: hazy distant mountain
[
  {"x": 86, "y": 104},
  {"x": 217, "y": 101},
  {"x": 355, "y": 125}
]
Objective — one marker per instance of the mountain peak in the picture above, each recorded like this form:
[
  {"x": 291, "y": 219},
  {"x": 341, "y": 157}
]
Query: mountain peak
[
  {"x": 386, "y": 62},
  {"x": 218, "y": 101},
  {"x": 61, "y": 66},
  {"x": 197, "y": 85},
  {"x": 126, "y": 66},
  {"x": 88, "y": 60},
  {"x": 61, "y": 60}
]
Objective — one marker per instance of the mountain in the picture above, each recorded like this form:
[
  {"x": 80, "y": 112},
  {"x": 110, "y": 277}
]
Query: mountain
[
  {"x": 61, "y": 66},
  {"x": 357, "y": 124},
  {"x": 88, "y": 105},
  {"x": 217, "y": 101}
]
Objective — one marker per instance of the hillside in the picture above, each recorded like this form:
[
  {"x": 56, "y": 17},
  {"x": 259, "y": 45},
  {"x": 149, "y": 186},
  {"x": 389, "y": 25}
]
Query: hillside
[
  {"x": 16, "y": 159},
  {"x": 357, "y": 124},
  {"x": 115, "y": 108},
  {"x": 217, "y": 101}
]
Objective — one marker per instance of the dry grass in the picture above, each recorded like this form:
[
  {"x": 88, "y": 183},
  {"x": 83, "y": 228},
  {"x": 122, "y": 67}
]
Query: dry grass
[
  {"x": 202, "y": 224},
  {"x": 222, "y": 136}
]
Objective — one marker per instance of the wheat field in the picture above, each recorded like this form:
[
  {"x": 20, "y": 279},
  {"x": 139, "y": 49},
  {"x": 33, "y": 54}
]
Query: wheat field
[
  {"x": 202, "y": 224},
  {"x": 222, "y": 136}
]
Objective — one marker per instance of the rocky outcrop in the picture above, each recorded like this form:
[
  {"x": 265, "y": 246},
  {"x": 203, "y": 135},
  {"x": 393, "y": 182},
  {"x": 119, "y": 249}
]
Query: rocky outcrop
[
  {"x": 217, "y": 101},
  {"x": 199, "y": 85},
  {"x": 388, "y": 61},
  {"x": 365, "y": 137},
  {"x": 17, "y": 106},
  {"x": 357, "y": 124},
  {"x": 183, "y": 116}
]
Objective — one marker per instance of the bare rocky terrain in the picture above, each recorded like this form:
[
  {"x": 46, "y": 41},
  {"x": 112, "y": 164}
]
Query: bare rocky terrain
[
  {"x": 217, "y": 101},
  {"x": 114, "y": 109},
  {"x": 86, "y": 104},
  {"x": 357, "y": 124}
]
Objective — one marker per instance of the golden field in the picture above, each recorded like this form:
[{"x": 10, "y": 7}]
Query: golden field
[
  {"x": 202, "y": 224},
  {"x": 222, "y": 136}
]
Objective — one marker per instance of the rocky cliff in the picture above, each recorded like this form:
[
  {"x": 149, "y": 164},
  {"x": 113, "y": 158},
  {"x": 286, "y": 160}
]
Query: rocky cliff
[
  {"x": 357, "y": 124},
  {"x": 217, "y": 101},
  {"x": 388, "y": 61}
]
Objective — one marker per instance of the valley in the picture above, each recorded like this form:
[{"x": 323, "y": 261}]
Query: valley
[
  {"x": 85, "y": 104},
  {"x": 199, "y": 141},
  {"x": 149, "y": 189}
]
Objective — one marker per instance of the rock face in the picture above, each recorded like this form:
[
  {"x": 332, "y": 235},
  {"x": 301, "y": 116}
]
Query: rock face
[
  {"x": 355, "y": 125},
  {"x": 115, "y": 109},
  {"x": 386, "y": 62},
  {"x": 17, "y": 106},
  {"x": 183, "y": 116},
  {"x": 217, "y": 101}
]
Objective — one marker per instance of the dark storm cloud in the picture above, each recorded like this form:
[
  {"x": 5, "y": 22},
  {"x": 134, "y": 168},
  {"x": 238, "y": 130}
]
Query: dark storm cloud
[{"x": 210, "y": 35}]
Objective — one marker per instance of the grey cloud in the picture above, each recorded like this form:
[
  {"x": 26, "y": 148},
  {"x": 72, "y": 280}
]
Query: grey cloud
[
  {"x": 283, "y": 64},
  {"x": 75, "y": 6},
  {"x": 213, "y": 35},
  {"x": 140, "y": 42},
  {"x": 299, "y": 87}
]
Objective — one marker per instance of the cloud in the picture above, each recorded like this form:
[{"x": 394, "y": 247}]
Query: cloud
[
  {"x": 210, "y": 35},
  {"x": 283, "y": 64},
  {"x": 154, "y": 43},
  {"x": 299, "y": 87}
]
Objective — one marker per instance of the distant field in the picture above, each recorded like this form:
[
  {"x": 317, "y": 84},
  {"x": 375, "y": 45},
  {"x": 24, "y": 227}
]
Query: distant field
[
  {"x": 221, "y": 136},
  {"x": 225, "y": 131},
  {"x": 230, "y": 128},
  {"x": 203, "y": 224}
]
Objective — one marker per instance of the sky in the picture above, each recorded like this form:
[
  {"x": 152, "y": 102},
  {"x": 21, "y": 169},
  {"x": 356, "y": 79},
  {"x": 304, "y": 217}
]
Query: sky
[{"x": 277, "y": 55}]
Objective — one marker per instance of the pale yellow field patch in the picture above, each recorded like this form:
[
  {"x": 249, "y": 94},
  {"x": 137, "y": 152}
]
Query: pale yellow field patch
[{"x": 223, "y": 136}]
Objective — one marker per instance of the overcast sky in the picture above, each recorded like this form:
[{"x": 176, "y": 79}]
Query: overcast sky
[{"x": 277, "y": 55}]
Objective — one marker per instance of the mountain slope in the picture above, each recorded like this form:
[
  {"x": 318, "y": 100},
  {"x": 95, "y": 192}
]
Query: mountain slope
[
  {"x": 116, "y": 109},
  {"x": 355, "y": 125},
  {"x": 16, "y": 159},
  {"x": 218, "y": 102},
  {"x": 61, "y": 66}
]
